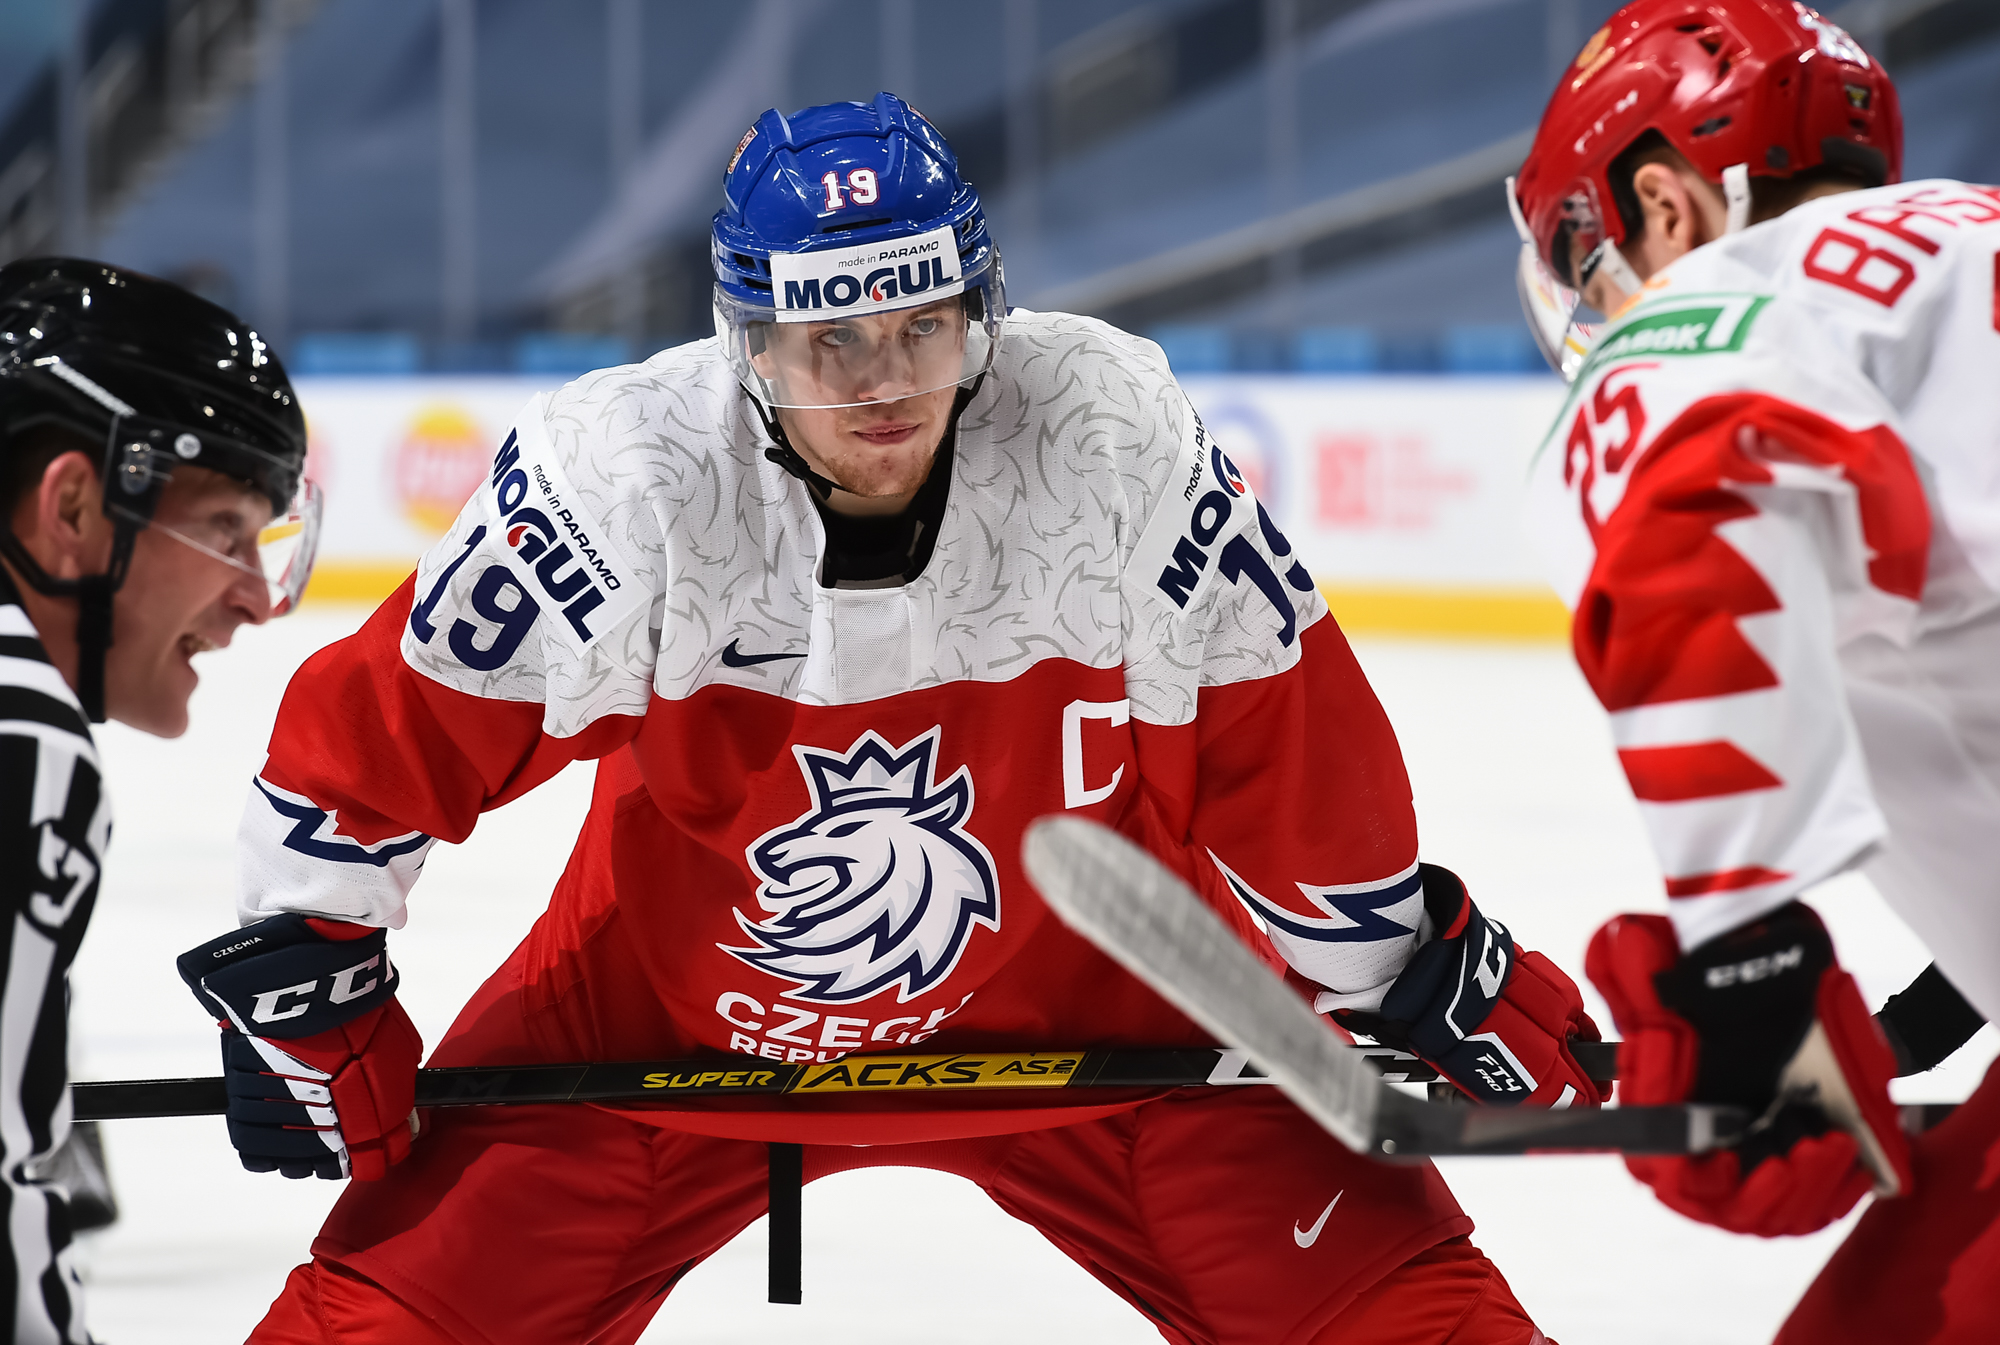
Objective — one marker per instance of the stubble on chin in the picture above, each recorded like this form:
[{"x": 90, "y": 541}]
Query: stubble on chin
[{"x": 874, "y": 474}]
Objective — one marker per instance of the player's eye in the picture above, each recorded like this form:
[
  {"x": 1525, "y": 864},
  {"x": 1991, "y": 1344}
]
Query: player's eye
[
  {"x": 927, "y": 326},
  {"x": 835, "y": 338},
  {"x": 226, "y": 532}
]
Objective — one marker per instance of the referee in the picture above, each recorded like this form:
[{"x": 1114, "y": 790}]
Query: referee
[{"x": 151, "y": 501}]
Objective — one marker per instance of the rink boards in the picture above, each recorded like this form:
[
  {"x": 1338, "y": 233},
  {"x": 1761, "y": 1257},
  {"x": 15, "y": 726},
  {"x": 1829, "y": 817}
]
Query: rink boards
[{"x": 1400, "y": 492}]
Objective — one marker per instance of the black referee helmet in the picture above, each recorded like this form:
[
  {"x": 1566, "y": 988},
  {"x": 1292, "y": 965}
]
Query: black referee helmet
[{"x": 160, "y": 378}]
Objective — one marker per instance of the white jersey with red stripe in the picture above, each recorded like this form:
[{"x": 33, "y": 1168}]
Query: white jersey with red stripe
[
  {"x": 1772, "y": 502},
  {"x": 805, "y": 838}
]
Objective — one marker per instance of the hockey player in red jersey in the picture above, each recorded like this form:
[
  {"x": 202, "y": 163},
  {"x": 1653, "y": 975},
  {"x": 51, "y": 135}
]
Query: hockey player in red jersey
[
  {"x": 1771, "y": 503},
  {"x": 841, "y": 600}
]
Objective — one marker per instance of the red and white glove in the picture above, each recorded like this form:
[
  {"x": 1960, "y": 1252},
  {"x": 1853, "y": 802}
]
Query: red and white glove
[
  {"x": 319, "y": 1059},
  {"x": 1495, "y": 1020},
  {"x": 1762, "y": 1018}
]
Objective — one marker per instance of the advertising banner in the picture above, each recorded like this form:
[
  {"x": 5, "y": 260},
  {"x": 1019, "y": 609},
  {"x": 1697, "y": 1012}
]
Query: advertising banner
[
  {"x": 1401, "y": 493},
  {"x": 397, "y": 457}
]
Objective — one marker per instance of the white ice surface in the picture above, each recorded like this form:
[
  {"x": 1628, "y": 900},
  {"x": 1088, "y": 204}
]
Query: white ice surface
[{"x": 1516, "y": 789}]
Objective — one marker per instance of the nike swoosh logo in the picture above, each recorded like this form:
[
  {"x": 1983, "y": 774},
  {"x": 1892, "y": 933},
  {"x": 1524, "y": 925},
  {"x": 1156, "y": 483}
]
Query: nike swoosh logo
[
  {"x": 735, "y": 658},
  {"x": 1307, "y": 1237}
]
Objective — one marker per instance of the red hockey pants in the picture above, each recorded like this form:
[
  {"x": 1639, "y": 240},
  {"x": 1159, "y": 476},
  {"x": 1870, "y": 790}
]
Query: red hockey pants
[
  {"x": 544, "y": 1224},
  {"x": 1923, "y": 1269}
]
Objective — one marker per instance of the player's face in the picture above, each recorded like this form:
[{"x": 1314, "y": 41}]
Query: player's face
[
  {"x": 892, "y": 364},
  {"x": 176, "y": 602},
  {"x": 878, "y": 357},
  {"x": 880, "y": 452}
]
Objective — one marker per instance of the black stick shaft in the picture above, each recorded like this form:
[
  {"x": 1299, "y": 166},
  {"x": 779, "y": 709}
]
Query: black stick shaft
[
  {"x": 1471, "y": 1130},
  {"x": 736, "y": 1076}
]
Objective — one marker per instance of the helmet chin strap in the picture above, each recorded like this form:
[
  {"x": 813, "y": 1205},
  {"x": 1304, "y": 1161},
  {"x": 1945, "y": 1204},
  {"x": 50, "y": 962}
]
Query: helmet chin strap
[
  {"x": 787, "y": 457},
  {"x": 1736, "y": 192}
]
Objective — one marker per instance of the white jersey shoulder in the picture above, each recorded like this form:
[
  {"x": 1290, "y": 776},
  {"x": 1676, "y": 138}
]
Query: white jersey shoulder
[
  {"x": 1870, "y": 307},
  {"x": 633, "y": 540},
  {"x": 1877, "y": 310}
]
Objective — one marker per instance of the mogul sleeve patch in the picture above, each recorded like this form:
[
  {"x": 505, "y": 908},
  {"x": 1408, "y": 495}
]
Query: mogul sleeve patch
[
  {"x": 1190, "y": 535},
  {"x": 551, "y": 543}
]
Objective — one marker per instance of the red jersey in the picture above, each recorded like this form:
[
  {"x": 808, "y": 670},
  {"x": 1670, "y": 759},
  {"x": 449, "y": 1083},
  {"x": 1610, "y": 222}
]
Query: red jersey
[{"x": 805, "y": 835}]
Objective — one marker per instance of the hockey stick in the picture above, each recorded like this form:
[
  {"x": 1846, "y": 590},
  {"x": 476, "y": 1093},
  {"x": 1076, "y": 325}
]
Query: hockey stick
[
  {"x": 734, "y": 1076},
  {"x": 1127, "y": 903},
  {"x": 737, "y": 1076}
]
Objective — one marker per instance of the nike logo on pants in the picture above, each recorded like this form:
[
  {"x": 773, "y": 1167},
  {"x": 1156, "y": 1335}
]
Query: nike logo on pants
[{"x": 1307, "y": 1237}]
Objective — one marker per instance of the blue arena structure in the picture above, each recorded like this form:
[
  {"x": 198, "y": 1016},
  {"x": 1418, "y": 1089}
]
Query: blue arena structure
[{"x": 1265, "y": 184}]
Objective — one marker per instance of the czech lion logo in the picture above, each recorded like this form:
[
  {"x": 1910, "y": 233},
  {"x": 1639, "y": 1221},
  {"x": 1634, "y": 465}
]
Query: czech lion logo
[{"x": 878, "y": 883}]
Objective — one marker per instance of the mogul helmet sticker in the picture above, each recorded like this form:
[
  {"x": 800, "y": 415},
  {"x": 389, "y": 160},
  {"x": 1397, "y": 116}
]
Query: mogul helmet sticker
[
  {"x": 552, "y": 544},
  {"x": 867, "y": 278},
  {"x": 878, "y": 883}
]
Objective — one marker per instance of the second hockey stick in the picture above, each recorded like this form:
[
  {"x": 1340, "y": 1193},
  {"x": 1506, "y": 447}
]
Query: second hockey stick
[{"x": 1127, "y": 903}]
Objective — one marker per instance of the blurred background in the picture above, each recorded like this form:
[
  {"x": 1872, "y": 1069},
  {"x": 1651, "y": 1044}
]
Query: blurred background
[
  {"x": 436, "y": 208},
  {"x": 398, "y": 186}
]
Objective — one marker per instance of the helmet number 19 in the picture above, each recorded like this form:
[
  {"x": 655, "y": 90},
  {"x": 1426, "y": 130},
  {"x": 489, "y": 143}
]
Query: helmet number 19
[{"x": 861, "y": 188}]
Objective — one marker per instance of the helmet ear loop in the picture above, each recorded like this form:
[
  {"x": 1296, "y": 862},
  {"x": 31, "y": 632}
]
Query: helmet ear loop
[
  {"x": 1736, "y": 192},
  {"x": 1607, "y": 258}
]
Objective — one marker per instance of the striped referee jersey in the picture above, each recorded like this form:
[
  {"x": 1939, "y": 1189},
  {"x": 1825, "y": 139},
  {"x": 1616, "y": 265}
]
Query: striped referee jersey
[{"x": 55, "y": 822}]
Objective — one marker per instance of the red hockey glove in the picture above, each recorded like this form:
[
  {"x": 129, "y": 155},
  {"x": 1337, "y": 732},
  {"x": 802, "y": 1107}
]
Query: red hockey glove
[
  {"x": 1493, "y": 1019},
  {"x": 1763, "y": 1018},
  {"x": 319, "y": 1060}
]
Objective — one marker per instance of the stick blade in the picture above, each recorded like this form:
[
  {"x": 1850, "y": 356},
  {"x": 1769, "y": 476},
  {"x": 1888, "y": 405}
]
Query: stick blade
[{"x": 1131, "y": 906}]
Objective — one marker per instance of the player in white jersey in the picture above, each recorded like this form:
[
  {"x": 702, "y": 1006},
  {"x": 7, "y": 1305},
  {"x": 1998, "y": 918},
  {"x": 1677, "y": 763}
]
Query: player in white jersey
[{"x": 1773, "y": 503}]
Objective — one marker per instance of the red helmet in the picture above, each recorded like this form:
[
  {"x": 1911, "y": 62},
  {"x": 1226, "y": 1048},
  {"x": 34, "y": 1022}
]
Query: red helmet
[{"x": 1767, "y": 85}]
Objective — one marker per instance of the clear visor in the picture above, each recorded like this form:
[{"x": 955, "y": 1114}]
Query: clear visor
[
  {"x": 279, "y": 554},
  {"x": 1553, "y": 309},
  {"x": 884, "y": 356},
  {"x": 1554, "y": 312}
]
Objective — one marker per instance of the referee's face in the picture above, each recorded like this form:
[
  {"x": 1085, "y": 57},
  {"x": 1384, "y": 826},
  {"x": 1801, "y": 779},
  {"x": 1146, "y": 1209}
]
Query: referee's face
[{"x": 178, "y": 602}]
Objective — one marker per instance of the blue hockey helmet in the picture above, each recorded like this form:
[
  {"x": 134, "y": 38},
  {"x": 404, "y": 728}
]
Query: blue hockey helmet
[{"x": 852, "y": 262}]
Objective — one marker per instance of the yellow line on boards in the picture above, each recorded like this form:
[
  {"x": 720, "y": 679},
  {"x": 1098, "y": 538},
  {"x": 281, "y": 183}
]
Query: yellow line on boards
[
  {"x": 1386, "y": 609},
  {"x": 356, "y": 580},
  {"x": 1464, "y": 613}
]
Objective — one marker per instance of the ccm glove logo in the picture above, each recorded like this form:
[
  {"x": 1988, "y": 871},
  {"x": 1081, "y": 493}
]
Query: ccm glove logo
[
  {"x": 1756, "y": 968},
  {"x": 282, "y": 978},
  {"x": 267, "y": 1006},
  {"x": 1491, "y": 969}
]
